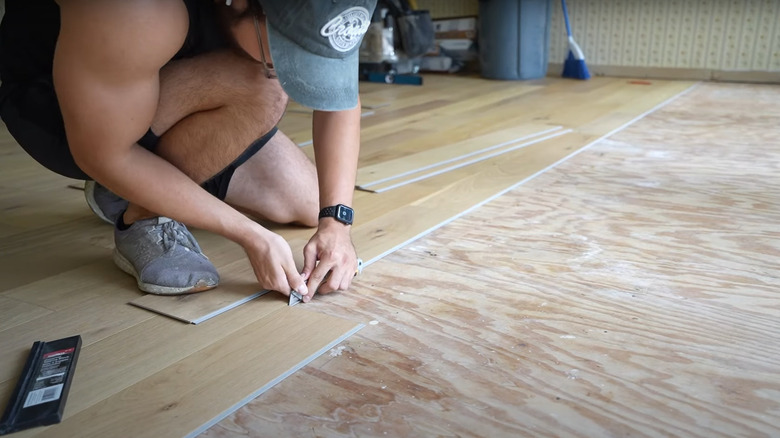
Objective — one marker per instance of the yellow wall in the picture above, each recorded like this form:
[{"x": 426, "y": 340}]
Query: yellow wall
[
  {"x": 682, "y": 36},
  {"x": 727, "y": 35},
  {"x": 449, "y": 8}
]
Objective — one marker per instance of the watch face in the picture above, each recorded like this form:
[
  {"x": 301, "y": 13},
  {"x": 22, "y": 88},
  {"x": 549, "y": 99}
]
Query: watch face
[{"x": 344, "y": 214}]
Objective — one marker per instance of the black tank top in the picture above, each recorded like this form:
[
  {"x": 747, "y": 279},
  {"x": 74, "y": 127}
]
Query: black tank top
[
  {"x": 28, "y": 35},
  {"x": 29, "y": 31}
]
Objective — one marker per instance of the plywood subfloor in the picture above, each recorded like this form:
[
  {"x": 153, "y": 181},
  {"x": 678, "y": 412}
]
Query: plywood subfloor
[
  {"x": 59, "y": 280},
  {"x": 631, "y": 291},
  {"x": 458, "y": 111}
]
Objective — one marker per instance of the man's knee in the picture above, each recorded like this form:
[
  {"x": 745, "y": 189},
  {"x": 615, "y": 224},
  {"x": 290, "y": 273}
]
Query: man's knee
[
  {"x": 295, "y": 206},
  {"x": 219, "y": 183},
  {"x": 263, "y": 98},
  {"x": 310, "y": 215},
  {"x": 288, "y": 211}
]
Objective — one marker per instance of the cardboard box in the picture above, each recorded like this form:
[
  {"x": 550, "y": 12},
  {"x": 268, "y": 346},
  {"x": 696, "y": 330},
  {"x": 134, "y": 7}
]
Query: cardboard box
[{"x": 456, "y": 28}]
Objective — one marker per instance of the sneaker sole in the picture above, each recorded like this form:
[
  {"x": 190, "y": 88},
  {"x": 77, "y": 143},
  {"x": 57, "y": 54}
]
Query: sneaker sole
[
  {"x": 156, "y": 289},
  {"x": 89, "y": 194}
]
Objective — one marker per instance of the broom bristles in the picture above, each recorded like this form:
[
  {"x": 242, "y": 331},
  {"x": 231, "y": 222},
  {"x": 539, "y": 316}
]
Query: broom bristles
[{"x": 575, "y": 68}]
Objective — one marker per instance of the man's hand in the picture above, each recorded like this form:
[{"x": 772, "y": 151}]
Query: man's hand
[
  {"x": 330, "y": 261},
  {"x": 273, "y": 263}
]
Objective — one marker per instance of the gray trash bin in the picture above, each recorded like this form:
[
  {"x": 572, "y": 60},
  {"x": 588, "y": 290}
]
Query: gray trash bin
[{"x": 514, "y": 38}]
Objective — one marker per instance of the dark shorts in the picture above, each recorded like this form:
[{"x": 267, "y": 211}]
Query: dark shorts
[{"x": 31, "y": 112}]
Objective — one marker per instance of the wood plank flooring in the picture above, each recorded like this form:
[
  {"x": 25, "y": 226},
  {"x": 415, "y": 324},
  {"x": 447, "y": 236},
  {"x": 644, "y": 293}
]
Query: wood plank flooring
[
  {"x": 478, "y": 107},
  {"x": 59, "y": 280},
  {"x": 445, "y": 154},
  {"x": 631, "y": 291}
]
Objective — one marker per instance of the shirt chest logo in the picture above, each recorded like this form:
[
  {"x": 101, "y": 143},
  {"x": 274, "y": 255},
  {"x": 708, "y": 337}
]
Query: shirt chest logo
[{"x": 346, "y": 30}]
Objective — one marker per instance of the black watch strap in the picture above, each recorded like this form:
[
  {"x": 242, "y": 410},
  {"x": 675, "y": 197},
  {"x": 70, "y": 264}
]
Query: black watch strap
[{"x": 340, "y": 212}]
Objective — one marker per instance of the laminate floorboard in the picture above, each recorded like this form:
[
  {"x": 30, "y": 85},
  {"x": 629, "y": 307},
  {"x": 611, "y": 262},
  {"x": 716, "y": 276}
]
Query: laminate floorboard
[{"x": 631, "y": 290}]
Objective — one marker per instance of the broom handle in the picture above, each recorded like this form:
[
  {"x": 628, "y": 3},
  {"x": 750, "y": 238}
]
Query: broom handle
[{"x": 566, "y": 17}]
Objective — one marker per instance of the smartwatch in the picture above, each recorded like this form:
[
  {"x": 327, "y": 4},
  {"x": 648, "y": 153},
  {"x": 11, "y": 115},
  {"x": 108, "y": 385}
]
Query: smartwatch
[{"x": 340, "y": 212}]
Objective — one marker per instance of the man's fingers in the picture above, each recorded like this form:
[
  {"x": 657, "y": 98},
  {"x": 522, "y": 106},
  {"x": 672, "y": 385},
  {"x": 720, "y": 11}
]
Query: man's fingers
[
  {"x": 346, "y": 281},
  {"x": 337, "y": 279},
  {"x": 295, "y": 280},
  {"x": 318, "y": 277},
  {"x": 279, "y": 282},
  {"x": 340, "y": 282},
  {"x": 297, "y": 284},
  {"x": 309, "y": 260}
]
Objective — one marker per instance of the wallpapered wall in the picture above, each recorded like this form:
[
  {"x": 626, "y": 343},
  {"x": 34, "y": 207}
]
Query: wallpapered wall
[
  {"x": 725, "y": 35},
  {"x": 741, "y": 35},
  {"x": 449, "y": 8}
]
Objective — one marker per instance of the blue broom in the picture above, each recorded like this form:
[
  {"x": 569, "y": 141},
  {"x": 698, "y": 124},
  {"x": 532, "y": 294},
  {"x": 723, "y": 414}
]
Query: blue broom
[{"x": 574, "y": 66}]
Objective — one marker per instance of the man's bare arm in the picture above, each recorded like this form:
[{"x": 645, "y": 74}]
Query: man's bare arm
[
  {"x": 336, "y": 147},
  {"x": 106, "y": 74}
]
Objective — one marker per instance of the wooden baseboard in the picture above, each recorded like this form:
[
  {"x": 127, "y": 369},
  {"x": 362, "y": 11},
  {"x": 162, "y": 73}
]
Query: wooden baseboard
[{"x": 763, "y": 77}]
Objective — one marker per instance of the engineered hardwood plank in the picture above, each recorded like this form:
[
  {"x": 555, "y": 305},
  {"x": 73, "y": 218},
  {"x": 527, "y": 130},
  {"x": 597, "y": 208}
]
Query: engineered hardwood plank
[
  {"x": 130, "y": 356},
  {"x": 422, "y": 110},
  {"x": 450, "y": 194},
  {"x": 71, "y": 289},
  {"x": 52, "y": 249},
  {"x": 631, "y": 290},
  {"x": 545, "y": 104},
  {"x": 196, "y": 308},
  {"x": 296, "y": 126},
  {"x": 491, "y": 152},
  {"x": 94, "y": 320},
  {"x": 14, "y": 312},
  {"x": 26, "y": 188},
  {"x": 391, "y": 169},
  {"x": 171, "y": 401}
]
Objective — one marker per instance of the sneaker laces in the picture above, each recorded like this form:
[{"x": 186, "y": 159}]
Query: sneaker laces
[{"x": 172, "y": 233}]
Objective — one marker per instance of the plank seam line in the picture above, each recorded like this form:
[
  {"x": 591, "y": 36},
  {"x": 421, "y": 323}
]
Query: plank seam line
[
  {"x": 459, "y": 157},
  {"x": 273, "y": 383},
  {"x": 229, "y": 306},
  {"x": 470, "y": 162},
  {"x": 523, "y": 181}
]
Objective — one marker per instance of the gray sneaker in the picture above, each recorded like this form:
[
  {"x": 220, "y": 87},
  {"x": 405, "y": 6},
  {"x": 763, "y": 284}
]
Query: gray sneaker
[
  {"x": 164, "y": 257},
  {"x": 103, "y": 202}
]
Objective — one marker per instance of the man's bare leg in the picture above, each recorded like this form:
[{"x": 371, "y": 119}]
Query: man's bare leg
[
  {"x": 294, "y": 197},
  {"x": 212, "y": 107}
]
